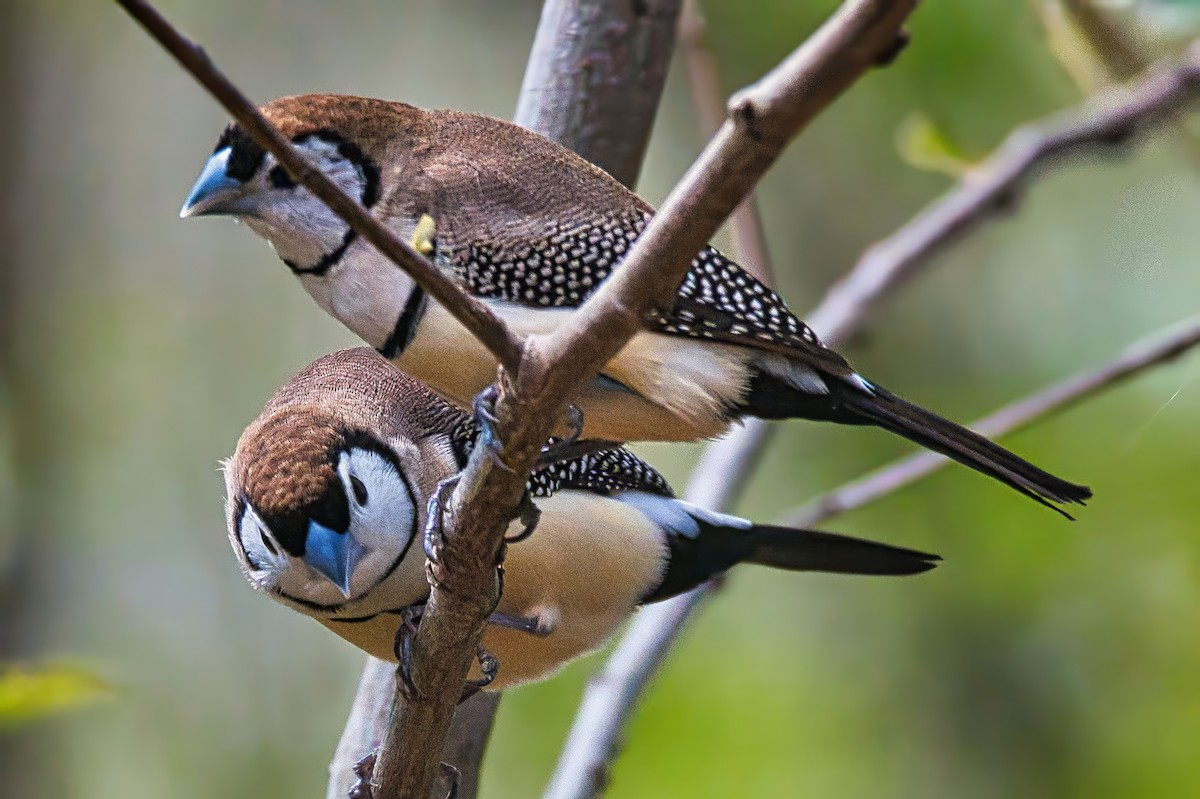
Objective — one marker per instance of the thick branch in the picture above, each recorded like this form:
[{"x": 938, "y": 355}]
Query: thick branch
[
  {"x": 595, "y": 77},
  {"x": 474, "y": 315},
  {"x": 1137, "y": 358},
  {"x": 995, "y": 185}
]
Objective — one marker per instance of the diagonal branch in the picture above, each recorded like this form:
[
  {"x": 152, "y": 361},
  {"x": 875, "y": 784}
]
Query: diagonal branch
[
  {"x": 861, "y": 34},
  {"x": 995, "y": 185},
  {"x": 474, "y": 315},
  {"x": 1137, "y": 358},
  {"x": 606, "y": 119}
]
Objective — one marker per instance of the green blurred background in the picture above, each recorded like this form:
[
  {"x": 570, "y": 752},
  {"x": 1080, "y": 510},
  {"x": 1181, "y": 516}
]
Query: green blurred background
[{"x": 1044, "y": 659}]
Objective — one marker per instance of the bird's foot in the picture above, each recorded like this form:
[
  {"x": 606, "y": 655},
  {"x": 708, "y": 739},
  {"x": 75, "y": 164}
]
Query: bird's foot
[
  {"x": 364, "y": 771},
  {"x": 489, "y": 667},
  {"x": 435, "y": 516},
  {"x": 484, "y": 408},
  {"x": 410, "y": 618}
]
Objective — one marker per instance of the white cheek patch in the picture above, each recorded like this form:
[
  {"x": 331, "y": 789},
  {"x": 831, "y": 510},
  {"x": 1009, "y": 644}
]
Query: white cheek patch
[
  {"x": 301, "y": 228},
  {"x": 261, "y": 558}
]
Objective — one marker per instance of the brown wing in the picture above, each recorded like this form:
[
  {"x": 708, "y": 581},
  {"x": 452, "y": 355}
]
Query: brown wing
[{"x": 522, "y": 220}]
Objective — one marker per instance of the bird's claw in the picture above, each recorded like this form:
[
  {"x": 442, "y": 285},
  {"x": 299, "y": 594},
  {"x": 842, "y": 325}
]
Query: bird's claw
[
  {"x": 528, "y": 514},
  {"x": 410, "y": 618},
  {"x": 435, "y": 513},
  {"x": 483, "y": 406},
  {"x": 364, "y": 771},
  {"x": 489, "y": 667}
]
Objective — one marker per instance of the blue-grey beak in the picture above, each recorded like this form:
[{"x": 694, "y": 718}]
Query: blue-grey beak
[
  {"x": 332, "y": 554},
  {"x": 215, "y": 192}
]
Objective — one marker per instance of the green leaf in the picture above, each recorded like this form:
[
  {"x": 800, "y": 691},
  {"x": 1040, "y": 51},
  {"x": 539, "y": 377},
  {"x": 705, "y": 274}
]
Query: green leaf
[
  {"x": 31, "y": 693},
  {"x": 923, "y": 145}
]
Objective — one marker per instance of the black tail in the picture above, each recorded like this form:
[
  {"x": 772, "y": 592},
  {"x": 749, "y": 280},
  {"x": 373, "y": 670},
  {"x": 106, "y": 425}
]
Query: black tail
[
  {"x": 814, "y": 551},
  {"x": 772, "y": 399},
  {"x": 968, "y": 448}
]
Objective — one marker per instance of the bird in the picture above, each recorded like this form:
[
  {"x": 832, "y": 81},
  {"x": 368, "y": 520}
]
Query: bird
[
  {"x": 531, "y": 229},
  {"x": 328, "y": 489}
]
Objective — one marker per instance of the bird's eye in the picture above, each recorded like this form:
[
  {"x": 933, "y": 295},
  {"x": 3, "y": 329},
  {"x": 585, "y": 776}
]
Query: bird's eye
[
  {"x": 266, "y": 542},
  {"x": 280, "y": 179},
  {"x": 360, "y": 490}
]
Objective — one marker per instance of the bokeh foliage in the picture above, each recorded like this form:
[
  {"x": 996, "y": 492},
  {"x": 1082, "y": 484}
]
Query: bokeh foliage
[{"x": 1043, "y": 658}]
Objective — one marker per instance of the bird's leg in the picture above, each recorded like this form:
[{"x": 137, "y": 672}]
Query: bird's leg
[
  {"x": 483, "y": 406},
  {"x": 489, "y": 667},
  {"x": 435, "y": 511},
  {"x": 364, "y": 770},
  {"x": 410, "y": 617}
]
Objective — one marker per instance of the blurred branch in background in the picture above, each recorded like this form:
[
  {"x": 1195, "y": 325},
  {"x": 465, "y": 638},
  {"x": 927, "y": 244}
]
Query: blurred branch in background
[
  {"x": 1156, "y": 350},
  {"x": 704, "y": 79},
  {"x": 604, "y": 112},
  {"x": 716, "y": 483},
  {"x": 1115, "y": 45},
  {"x": 995, "y": 186},
  {"x": 612, "y": 695},
  {"x": 595, "y": 77}
]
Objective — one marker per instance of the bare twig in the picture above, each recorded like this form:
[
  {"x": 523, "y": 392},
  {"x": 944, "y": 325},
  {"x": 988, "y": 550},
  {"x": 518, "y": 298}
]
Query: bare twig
[
  {"x": 595, "y": 77},
  {"x": 996, "y": 183},
  {"x": 474, "y": 315},
  {"x": 612, "y": 694},
  {"x": 745, "y": 223},
  {"x": 1137, "y": 358}
]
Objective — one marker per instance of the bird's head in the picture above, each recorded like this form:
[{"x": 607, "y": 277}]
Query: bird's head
[
  {"x": 347, "y": 138},
  {"x": 320, "y": 514}
]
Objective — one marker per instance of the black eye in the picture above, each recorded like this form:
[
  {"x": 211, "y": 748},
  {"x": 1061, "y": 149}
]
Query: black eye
[
  {"x": 280, "y": 179},
  {"x": 360, "y": 490},
  {"x": 266, "y": 542}
]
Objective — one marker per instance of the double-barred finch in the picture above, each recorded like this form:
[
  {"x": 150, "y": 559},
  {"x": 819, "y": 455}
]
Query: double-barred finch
[
  {"x": 327, "y": 495},
  {"x": 532, "y": 229}
]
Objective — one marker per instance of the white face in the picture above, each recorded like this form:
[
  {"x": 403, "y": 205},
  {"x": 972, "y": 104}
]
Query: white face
[
  {"x": 300, "y": 227},
  {"x": 383, "y": 520}
]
